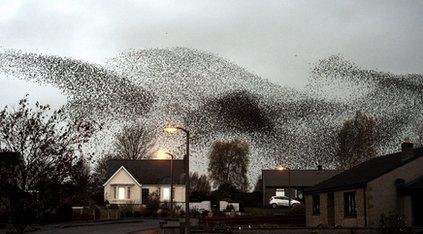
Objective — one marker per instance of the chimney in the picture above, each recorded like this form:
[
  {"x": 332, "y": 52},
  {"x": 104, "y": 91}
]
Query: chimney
[
  {"x": 319, "y": 168},
  {"x": 407, "y": 150}
]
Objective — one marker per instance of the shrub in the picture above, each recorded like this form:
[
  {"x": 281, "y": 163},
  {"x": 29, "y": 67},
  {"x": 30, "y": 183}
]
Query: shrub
[
  {"x": 97, "y": 212},
  {"x": 143, "y": 211},
  {"x": 128, "y": 213},
  {"x": 127, "y": 210},
  {"x": 137, "y": 214},
  {"x": 153, "y": 204},
  {"x": 177, "y": 209},
  {"x": 64, "y": 213},
  {"x": 4, "y": 218},
  {"x": 297, "y": 209},
  {"x": 230, "y": 208},
  {"x": 204, "y": 213},
  {"x": 182, "y": 212},
  {"x": 392, "y": 223},
  {"x": 113, "y": 206},
  {"x": 163, "y": 212},
  {"x": 195, "y": 213}
]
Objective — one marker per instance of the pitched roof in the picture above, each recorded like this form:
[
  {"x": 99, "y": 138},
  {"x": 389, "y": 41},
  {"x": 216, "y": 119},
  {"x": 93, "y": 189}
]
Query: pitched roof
[
  {"x": 299, "y": 178},
  {"x": 149, "y": 171},
  {"x": 359, "y": 175}
]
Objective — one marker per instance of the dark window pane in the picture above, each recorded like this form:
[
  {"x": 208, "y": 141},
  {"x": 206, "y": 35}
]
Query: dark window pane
[
  {"x": 316, "y": 204},
  {"x": 350, "y": 204}
]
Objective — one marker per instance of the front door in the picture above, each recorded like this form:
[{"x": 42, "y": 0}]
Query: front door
[
  {"x": 417, "y": 209},
  {"x": 331, "y": 210},
  {"x": 144, "y": 193}
]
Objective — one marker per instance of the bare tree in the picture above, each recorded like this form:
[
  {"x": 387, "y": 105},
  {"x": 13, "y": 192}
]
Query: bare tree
[
  {"x": 199, "y": 184},
  {"x": 356, "y": 141},
  {"x": 229, "y": 163},
  {"x": 134, "y": 142},
  {"x": 48, "y": 143},
  {"x": 100, "y": 168}
]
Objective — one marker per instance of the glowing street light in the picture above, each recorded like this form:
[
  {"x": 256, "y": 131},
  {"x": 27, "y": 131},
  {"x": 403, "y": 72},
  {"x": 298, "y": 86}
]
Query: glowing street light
[
  {"x": 280, "y": 168},
  {"x": 162, "y": 154},
  {"x": 174, "y": 129},
  {"x": 170, "y": 129}
]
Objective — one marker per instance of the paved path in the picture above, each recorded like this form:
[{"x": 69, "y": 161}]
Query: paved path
[{"x": 103, "y": 228}]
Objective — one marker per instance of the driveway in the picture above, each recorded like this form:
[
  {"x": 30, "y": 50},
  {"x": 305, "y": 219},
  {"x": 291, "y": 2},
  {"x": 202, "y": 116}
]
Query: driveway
[{"x": 103, "y": 228}]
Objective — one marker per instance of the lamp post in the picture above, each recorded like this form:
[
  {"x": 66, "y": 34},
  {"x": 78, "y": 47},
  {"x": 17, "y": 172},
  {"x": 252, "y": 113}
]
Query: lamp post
[
  {"x": 282, "y": 168},
  {"x": 172, "y": 157},
  {"x": 187, "y": 182}
]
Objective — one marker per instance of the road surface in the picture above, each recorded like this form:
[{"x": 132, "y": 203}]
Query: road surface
[{"x": 102, "y": 228}]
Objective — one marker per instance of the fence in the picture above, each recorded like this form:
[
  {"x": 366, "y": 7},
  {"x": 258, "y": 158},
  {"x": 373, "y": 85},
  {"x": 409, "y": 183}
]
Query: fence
[{"x": 86, "y": 213}]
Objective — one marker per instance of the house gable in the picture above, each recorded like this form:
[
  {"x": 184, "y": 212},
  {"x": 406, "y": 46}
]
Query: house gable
[
  {"x": 377, "y": 196},
  {"x": 122, "y": 176},
  {"x": 382, "y": 192}
]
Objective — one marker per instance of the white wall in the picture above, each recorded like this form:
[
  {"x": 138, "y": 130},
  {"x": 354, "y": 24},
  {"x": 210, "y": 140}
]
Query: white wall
[
  {"x": 204, "y": 205},
  {"x": 122, "y": 178}
]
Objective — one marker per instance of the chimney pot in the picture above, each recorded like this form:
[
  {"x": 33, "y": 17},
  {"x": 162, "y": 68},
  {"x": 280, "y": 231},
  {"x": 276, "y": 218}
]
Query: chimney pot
[
  {"x": 407, "y": 150},
  {"x": 319, "y": 167}
]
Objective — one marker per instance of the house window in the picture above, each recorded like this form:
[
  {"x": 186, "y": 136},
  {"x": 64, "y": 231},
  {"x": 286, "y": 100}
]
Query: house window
[
  {"x": 280, "y": 192},
  {"x": 300, "y": 195},
  {"x": 166, "y": 194},
  {"x": 350, "y": 205},
  {"x": 316, "y": 204},
  {"x": 128, "y": 193},
  {"x": 121, "y": 193}
]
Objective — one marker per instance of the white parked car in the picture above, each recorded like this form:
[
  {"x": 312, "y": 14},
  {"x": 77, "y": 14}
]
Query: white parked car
[{"x": 276, "y": 201}]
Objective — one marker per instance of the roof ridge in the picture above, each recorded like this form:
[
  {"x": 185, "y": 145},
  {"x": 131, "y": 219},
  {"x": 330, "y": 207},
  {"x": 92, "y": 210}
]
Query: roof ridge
[{"x": 361, "y": 174}]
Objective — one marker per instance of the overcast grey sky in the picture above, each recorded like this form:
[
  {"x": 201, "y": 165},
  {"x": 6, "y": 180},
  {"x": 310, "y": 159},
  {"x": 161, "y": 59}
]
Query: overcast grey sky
[{"x": 278, "y": 40}]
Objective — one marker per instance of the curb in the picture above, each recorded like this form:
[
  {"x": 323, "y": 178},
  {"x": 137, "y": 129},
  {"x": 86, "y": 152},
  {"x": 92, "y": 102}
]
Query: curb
[{"x": 99, "y": 223}]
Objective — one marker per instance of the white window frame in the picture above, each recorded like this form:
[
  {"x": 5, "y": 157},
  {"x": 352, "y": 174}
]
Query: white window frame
[
  {"x": 122, "y": 192},
  {"x": 166, "y": 194}
]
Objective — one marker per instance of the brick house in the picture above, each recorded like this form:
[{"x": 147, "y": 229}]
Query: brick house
[
  {"x": 390, "y": 184},
  {"x": 277, "y": 182},
  {"x": 132, "y": 181}
]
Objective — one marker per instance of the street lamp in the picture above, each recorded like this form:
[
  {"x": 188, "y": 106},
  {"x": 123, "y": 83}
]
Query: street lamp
[
  {"x": 282, "y": 168},
  {"x": 171, "y": 129},
  {"x": 160, "y": 154}
]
